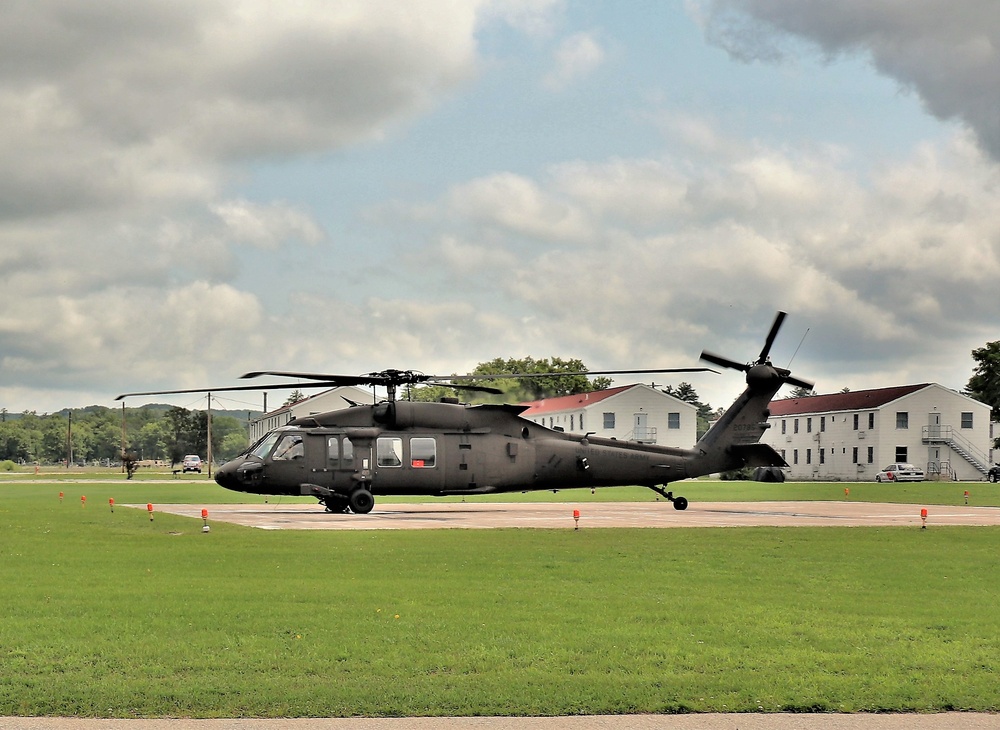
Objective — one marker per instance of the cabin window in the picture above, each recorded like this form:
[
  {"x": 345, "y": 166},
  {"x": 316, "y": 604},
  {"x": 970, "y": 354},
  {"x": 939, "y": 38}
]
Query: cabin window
[
  {"x": 290, "y": 447},
  {"x": 673, "y": 420},
  {"x": 967, "y": 419},
  {"x": 339, "y": 454},
  {"x": 423, "y": 452},
  {"x": 389, "y": 451},
  {"x": 609, "y": 420}
]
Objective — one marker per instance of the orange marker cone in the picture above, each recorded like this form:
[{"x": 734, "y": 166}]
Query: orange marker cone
[
  {"x": 847, "y": 492},
  {"x": 576, "y": 519},
  {"x": 149, "y": 508},
  {"x": 111, "y": 501},
  {"x": 204, "y": 519},
  {"x": 923, "y": 518},
  {"x": 83, "y": 500},
  {"x": 966, "y": 496},
  {"x": 60, "y": 497}
]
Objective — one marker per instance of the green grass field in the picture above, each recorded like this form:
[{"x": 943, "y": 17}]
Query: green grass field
[{"x": 109, "y": 614}]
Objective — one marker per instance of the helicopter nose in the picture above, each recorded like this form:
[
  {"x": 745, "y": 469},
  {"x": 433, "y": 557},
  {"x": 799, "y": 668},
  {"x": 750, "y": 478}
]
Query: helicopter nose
[{"x": 225, "y": 476}]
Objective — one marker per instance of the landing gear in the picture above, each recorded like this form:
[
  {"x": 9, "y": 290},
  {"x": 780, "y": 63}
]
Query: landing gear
[
  {"x": 361, "y": 501},
  {"x": 680, "y": 503},
  {"x": 337, "y": 505}
]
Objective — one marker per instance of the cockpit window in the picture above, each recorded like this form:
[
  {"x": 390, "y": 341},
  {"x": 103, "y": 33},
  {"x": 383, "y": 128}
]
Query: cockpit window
[
  {"x": 264, "y": 446},
  {"x": 290, "y": 447}
]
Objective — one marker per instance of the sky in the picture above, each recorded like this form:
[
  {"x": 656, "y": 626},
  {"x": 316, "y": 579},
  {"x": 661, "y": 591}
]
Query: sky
[{"x": 194, "y": 189}]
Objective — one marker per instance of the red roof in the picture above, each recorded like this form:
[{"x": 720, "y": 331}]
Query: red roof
[
  {"x": 855, "y": 400},
  {"x": 571, "y": 402}
]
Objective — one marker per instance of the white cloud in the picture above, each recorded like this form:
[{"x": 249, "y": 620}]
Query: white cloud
[{"x": 575, "y": 58}]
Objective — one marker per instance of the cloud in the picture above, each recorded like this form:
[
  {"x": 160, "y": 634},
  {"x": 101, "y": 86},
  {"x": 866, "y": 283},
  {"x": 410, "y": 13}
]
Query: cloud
[
  {"x": 123, "y": 124},
  {"x": 575, "y": 58},
  {"x": 675, "y": 258},
  {"x": 949, "y": 53}
]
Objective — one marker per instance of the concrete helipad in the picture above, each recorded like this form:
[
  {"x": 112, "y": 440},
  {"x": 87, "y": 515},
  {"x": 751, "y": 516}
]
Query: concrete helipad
[{"x": 605, "y": 514}]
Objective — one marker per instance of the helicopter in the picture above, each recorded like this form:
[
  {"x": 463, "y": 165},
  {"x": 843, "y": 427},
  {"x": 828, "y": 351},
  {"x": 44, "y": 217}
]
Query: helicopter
[{"x": 345, "y": 458}]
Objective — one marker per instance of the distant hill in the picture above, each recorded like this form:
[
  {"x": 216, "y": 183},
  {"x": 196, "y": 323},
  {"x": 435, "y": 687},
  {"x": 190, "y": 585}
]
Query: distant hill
[{"x": 243, "y": 416}]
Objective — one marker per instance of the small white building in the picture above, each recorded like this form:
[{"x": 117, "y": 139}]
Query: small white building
[
  {"x": 852, "y": 436},
  {"x": 329, "y": 400},
  {"x": 628, "y": 413}
]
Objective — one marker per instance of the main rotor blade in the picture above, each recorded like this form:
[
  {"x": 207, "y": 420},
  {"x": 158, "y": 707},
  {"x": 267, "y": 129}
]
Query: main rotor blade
[
  {"x": 342, "y": 379},
  {"x": 723, "y": 361},
  {"x": 269, "y": 386},
  {"x": 501, "y": 376},
  {"x": 771, "y": 335},
  {"x": 799, "y": 382}
]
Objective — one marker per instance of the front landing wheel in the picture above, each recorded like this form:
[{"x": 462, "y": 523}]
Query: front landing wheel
[
  {"x": 361, "y": 501},
  {"x": 680, "y": 503}
]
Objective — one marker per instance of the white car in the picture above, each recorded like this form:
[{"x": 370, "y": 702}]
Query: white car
[
  {"x": 192, "y": 462},
  {"x": 900, "y": 473}
]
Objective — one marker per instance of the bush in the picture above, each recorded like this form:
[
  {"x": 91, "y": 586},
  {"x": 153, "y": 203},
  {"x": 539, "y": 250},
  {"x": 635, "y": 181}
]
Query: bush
[{"x": 8, "y": 465}]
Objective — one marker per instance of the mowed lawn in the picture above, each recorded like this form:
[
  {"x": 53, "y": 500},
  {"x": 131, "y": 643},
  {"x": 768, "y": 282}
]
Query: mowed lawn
[{"x": 111, "y": 614}]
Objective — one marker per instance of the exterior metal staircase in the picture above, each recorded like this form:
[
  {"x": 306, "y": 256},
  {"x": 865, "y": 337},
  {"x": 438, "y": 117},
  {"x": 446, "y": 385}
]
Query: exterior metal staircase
[{"x": 946, "y": 435}]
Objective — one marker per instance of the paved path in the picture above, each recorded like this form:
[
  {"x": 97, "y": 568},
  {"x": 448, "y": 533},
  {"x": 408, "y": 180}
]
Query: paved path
[{"x": 440, "y": 515}]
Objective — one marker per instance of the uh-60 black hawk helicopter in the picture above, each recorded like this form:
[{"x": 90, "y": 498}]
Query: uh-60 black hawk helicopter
[{"x": 347, "y": 457}]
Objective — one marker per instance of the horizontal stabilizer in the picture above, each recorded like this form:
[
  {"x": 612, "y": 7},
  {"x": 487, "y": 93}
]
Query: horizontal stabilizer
[{"x": 757, "y": 455}]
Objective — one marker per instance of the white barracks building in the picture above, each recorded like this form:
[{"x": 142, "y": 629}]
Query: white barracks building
[
  {"x": 628, "y": 413},
  {"x": 852, "y": 436}
]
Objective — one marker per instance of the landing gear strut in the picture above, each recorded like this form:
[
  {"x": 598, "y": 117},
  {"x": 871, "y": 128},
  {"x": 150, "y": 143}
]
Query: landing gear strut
[{"x": 680, "y": 503}]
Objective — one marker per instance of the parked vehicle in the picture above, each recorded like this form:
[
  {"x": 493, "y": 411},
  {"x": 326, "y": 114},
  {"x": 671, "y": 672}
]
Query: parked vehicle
[
  {"x": 900, "y": 473},
  {"x": 993, "y": 475},
  {"x": 192, "y": 462}
]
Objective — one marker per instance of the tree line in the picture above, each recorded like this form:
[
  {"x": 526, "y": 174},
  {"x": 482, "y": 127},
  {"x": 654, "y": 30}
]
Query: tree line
[{"x": 94, "y": 434}]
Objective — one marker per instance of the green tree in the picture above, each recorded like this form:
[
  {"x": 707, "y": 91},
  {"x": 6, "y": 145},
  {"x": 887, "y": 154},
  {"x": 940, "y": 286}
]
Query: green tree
[{"x": 984, "y": 385}]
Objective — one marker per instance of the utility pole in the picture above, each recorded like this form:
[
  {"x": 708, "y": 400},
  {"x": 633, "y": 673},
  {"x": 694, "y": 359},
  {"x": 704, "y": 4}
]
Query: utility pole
[{"x": 209, "y": 428}]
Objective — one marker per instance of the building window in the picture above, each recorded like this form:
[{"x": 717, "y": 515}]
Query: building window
[
  {"x": 572, "y": 422},
  {"x": 822, "y": 456},
  {"x": 822, "y": 423},
  {"x": 871, "y": 454},
  {"x": 809, "y": 456},
  {"x": 795, "y": 456},
  {"x": 856, "y": 421},
  {"x": 581, "y": 421},
  {"x": 609, "y": 420},
  {"x": 423, "y": 452},
  {"x": 795, "y": 426},
  {"x": 673, "y": 420},
  {"x": 855, "y": 457},
  {"x": 967, "y": 419},
  {"x": 902, "y": 420},
  {"x": 902, "y": 454},
  {"x": 871, "y": 421},
  {"x": 784, "y": 427},
  {"x": 809, "y": 425}
]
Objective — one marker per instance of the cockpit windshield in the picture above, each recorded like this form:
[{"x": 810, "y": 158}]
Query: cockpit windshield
[{"x": 264, "y": 446}]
